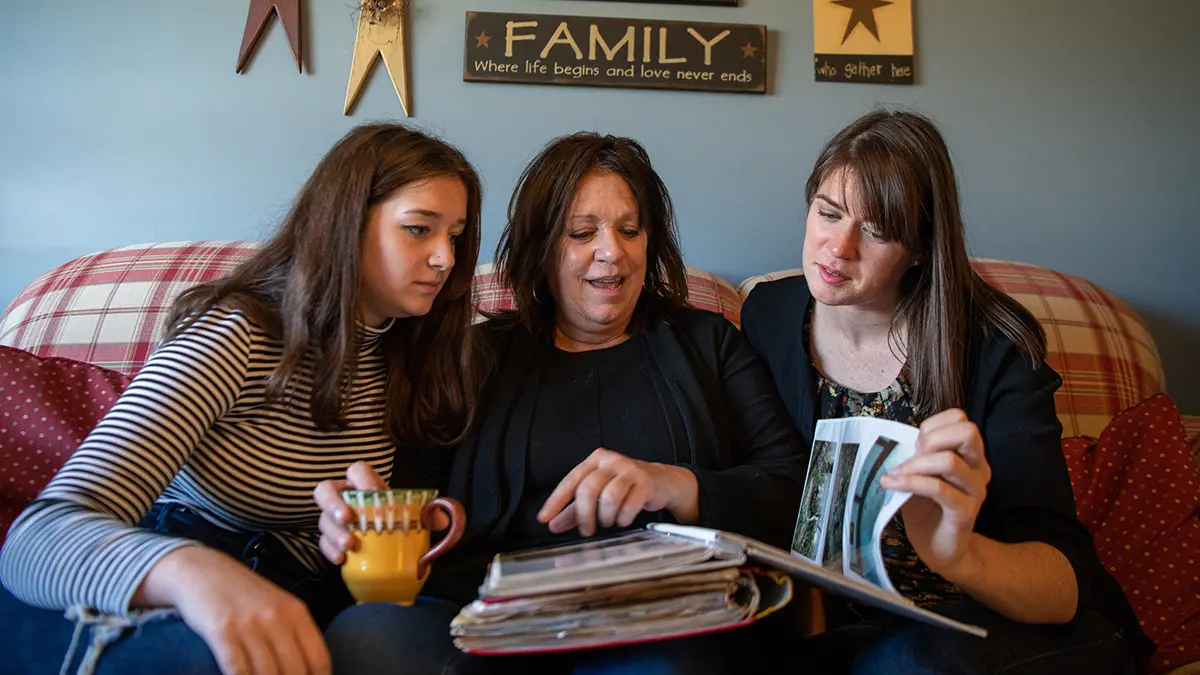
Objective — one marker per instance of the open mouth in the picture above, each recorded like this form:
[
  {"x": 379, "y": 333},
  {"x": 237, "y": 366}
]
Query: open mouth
[
  {"x": 831, "y": 275},
  {"x": 608, "y": 284}
]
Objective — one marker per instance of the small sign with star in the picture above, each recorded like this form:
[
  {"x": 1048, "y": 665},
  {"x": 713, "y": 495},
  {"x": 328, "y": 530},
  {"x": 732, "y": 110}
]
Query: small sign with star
[
  {"x": 612, "y": 52},
  {"x": 863, "y": 41}
]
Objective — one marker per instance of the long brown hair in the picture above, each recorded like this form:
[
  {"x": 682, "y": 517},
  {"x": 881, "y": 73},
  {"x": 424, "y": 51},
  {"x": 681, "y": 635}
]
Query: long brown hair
[
  {"x": 538, "y": 212},
  {"x": 303, "y": 287},
  {"x": 909, "y": 192}
]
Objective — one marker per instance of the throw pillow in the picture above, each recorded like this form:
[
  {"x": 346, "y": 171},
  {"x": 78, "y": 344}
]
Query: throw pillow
[
  {"x": 1138, "y": 491},
  {"x": 47, "y": 407}
]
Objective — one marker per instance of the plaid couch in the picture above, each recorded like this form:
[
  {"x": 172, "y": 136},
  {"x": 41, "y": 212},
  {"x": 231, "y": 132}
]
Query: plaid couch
[{"x": 107, "y": 309}]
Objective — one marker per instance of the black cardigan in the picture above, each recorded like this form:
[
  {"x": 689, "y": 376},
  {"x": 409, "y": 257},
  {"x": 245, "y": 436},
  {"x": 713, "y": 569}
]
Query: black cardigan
[
  {"x": 724, "y": 417},
  {"x": 1029, "y": 497}
]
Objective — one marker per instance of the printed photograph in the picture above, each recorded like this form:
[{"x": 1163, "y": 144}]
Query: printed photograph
[
  {"x": 831, "y": 552},
  {"x": 868, "y": 501},
  {"x": 809, "y": 533}
]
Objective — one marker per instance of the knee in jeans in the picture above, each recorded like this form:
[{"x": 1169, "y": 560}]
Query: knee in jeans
[{"x": 912, "y": 650}]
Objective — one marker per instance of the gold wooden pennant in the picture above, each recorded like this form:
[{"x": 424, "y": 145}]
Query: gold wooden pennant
[{"x": 381, "y": 29}]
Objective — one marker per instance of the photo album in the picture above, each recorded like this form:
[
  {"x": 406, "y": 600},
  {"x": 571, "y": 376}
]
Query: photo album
[{"x": 669, "y": 581}]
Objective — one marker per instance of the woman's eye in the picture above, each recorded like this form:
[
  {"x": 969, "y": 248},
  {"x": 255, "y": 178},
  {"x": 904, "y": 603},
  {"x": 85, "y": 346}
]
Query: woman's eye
[
  {"x": 874, "y": 234},
  {"x": 828, "y": 215},
  {"x": 582, "y": 235},
  {"x": 416, "y": 230},
  {"x": 455, "y": 236},
  {"x": 631, "y": 232}
]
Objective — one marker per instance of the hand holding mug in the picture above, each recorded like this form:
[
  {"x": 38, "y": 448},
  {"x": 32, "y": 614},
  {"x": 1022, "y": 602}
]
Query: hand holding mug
[
  {"x": 334, "y": 524},
  {"x": 391, "y": 560}
]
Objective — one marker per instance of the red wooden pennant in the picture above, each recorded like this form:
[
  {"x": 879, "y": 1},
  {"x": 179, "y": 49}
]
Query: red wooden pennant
[{"x": 288, "y": 12}]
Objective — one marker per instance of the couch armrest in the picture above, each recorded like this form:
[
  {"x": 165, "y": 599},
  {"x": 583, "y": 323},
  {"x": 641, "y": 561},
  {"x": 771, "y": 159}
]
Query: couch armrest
[{"x": 1191, "y": 424}]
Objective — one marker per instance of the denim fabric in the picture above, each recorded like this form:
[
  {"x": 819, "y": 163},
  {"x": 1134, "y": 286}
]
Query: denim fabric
[
  {"x": 381, "y": 638},
  {"x": 1090, "y": 644},
  {"x": 45, "y": 641},
  {"x": 37, "y": 641},
  {"x": 324, "y": 593}
]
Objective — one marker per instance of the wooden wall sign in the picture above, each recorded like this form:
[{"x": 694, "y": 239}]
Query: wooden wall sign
[
  {"x": 863, "y": 41},
  {"x": 288, "y": 12},
  {"x": 381, "y": 36},
  {"x": 610, "y": 52},
  {"x": 728, "y": 3}
]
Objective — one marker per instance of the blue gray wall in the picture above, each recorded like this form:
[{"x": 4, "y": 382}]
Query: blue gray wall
[{"x": 1074, "y": 127}]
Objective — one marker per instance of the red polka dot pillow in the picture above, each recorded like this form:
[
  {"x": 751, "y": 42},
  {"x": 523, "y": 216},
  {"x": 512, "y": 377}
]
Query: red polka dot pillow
[
  {"x": 47, "y": 407},
  {"x": 1138, "y": 491}
]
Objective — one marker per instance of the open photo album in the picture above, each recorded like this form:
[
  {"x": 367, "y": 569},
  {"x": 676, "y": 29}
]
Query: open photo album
[{"x": 670, "y": 581}]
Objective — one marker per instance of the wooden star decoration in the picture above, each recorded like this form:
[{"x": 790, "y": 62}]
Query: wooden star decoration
[
  {"x": 381, "y": 35},
  {"x": 862, "y": 12},
  {"x": 288, "y": 12}
]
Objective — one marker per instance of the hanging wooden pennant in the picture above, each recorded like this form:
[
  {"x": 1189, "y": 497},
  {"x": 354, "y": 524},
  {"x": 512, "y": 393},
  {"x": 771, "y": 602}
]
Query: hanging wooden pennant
[
  {"x": 381, "y": 34},
  {"x": 288, "y": 12}
]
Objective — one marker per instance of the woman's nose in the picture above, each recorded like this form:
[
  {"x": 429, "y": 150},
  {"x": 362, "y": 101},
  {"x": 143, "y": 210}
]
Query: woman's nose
[
  {"x": 608, "y": 246},
  {"x": 843, "y": 243},
  {"x": 442, "y": 256}
]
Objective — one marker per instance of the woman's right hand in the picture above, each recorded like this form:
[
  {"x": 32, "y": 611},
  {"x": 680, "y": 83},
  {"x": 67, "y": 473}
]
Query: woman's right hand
[
  {"x": 250, "y": 624},
  {"x": 336, "y": 538}
]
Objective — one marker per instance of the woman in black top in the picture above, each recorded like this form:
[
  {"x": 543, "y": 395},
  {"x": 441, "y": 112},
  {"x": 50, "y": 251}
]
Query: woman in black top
[
  {"x": 610, "y": 404},
  {"x": 889, "y": 320}
]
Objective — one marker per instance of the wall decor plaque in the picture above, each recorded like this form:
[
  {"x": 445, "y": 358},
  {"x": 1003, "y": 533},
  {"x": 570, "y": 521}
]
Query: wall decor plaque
[
  {"x": 863, "y": 41},
  {"x": 613, "y": 52},
  {"x": 723, "y": 3},
  {"x": 260, "y": 11},
  {"x": 381, "y": 37}
]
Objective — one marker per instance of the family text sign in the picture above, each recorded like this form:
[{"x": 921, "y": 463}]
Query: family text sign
[
  {"x": 727, "y": 3},
  {"x": 612, "y": 52}
]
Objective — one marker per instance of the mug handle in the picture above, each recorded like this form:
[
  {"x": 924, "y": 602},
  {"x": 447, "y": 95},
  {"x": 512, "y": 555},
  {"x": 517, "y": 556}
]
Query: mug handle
[{"x": 458, "y": 521}]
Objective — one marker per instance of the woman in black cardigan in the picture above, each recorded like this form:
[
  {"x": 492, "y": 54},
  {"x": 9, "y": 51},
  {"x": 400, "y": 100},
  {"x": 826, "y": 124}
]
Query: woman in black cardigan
[
  {"x": 610, "y": 404},
  {"x": 889, "y": 320}
]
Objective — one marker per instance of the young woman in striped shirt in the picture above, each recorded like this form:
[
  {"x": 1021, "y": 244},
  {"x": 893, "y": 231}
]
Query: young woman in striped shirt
[{"x": 183, "y": 532}]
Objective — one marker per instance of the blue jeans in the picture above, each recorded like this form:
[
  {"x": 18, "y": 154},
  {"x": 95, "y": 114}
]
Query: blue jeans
[
  {"x": 378, "y": 638},
  {"x": 882, "y": 644},
  {"x": 35, "y": 640}
]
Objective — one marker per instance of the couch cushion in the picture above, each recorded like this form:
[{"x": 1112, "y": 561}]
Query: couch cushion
[
  {"x": 1098, "y": 344},
  {"x": 49, "y": 405},
  {"x": 108, "y": 308},
  {"x": 1138, "y": 491}
]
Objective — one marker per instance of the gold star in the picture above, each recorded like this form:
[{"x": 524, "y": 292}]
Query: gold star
[
  {"x": 862, "y": 12},
  {"x": 482, "y": 39},
  {"x": 749, "y": 51}
]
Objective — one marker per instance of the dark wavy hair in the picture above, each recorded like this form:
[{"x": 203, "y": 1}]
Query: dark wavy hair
[
  {"x": 909, "y": 192},
  {"x": 303, "y": 287},
  {"x": 537, "y": 216}
]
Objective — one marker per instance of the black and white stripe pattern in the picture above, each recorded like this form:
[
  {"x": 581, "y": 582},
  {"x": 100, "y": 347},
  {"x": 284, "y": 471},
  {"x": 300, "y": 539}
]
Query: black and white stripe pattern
[{"x": 192, "y": 427}]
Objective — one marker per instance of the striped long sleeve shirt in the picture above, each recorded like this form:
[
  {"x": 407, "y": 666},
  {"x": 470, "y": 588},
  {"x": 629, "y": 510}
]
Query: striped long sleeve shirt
[{"x": 193, "y": 427}]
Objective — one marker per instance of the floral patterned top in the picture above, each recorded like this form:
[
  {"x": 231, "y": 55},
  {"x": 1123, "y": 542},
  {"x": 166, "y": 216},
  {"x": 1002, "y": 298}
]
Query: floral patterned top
[{"x": 910, "y": 576}]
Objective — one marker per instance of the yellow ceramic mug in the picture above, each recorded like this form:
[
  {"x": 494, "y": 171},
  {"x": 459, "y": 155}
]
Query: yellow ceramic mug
[{"x": 391, "y": 561}]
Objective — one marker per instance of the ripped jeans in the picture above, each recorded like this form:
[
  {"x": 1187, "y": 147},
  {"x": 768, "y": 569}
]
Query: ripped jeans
[{"x": 154, "y": 641}]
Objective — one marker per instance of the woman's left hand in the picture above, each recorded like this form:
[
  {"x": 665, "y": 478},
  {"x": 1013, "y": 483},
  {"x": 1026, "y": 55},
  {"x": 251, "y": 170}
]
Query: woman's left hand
[
  {"x": 611, "y": 489},
  {"x": 948, "y": 478}
]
